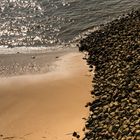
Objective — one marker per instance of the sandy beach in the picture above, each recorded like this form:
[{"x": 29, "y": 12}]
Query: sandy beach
[{"x": 48, "y": 105}]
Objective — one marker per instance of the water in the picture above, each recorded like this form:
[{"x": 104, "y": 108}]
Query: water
[{"x": 46, "y": 23}]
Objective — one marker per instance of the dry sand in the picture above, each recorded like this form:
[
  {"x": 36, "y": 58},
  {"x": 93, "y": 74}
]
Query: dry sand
[{"x": 46, "y": 106}]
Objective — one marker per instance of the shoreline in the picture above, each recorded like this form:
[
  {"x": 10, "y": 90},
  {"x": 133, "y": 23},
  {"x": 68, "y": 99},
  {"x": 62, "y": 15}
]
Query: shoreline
[
  {"x": 49, "y": 105},
  {"x": 30, "y": 63}
]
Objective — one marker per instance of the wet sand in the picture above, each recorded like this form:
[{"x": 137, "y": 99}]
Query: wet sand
[
  {"x": 46, "y": 106},
  {"x": 35, "y": 62}
]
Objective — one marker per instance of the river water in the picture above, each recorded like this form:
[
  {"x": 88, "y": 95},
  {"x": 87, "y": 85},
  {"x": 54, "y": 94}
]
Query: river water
[{"x": 47, "y": 23}]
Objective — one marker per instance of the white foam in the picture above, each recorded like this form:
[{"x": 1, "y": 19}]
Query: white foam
[{"x": 6, "y": 50}]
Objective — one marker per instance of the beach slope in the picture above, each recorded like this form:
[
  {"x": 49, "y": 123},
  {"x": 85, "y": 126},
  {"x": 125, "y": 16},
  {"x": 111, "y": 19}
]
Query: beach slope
[{"x": 46, "y": 106}]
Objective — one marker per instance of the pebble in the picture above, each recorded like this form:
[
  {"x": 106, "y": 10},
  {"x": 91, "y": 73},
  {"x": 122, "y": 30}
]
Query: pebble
[{"x": 33, "y": 57}]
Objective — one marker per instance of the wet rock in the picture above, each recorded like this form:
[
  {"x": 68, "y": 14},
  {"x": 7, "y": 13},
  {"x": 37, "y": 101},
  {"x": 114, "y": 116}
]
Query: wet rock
[{"x": 33, "y": 57}]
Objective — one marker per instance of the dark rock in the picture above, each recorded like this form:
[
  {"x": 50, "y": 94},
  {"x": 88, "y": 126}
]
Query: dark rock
[
  {"x": 33, "y": 57},
  {"x": 114, "y": 49},
  {"x": 129, "y": 58},
  {"x": 74, "y": 134}
]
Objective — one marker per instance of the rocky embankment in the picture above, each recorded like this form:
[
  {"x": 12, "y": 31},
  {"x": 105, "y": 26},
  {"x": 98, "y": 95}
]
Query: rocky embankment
[{"x": 114, "y": 50}]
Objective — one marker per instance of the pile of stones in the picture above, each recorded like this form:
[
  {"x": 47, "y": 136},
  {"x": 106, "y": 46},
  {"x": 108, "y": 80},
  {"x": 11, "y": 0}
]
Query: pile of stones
[{"x": 114, "y": 50}]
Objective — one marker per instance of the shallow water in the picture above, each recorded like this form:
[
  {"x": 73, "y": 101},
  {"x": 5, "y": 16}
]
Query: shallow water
[{"x": 35, "y": 23}]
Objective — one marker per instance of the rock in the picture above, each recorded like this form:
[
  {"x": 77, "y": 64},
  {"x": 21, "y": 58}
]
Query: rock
[
  {"x": 114, "y": 51},
  {"x": 33, "y": 57},
  {"x": 137, "y": 91},
  {"x": 115, "y": 128},
  {"x": 74, "y": 134},
  {"x": 78, "y": 136}
]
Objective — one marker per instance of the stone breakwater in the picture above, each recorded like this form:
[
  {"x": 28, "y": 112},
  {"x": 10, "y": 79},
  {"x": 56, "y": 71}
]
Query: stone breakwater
[{"x": 114, "y": 50}]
